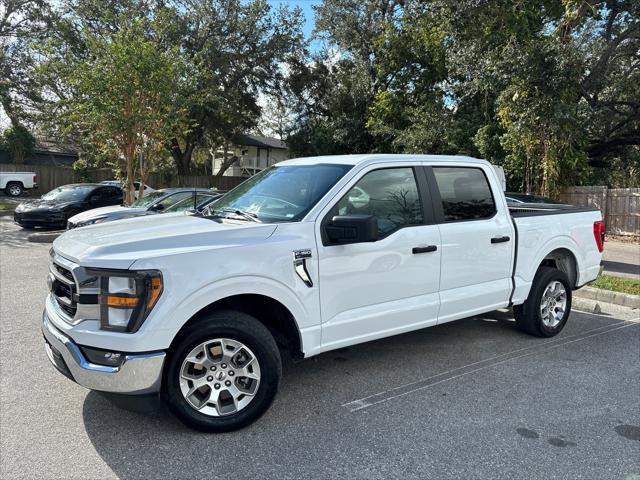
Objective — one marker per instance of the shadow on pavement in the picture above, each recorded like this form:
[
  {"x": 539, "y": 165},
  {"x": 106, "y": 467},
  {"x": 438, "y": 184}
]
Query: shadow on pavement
[
  {"x": 306, "y": 424},
  {"x": 14, "y": 236}
]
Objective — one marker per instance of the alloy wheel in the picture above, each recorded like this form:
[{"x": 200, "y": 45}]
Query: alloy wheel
[
  {"x": 553, "y": 304},
  {"x": 220, "y": 377}
]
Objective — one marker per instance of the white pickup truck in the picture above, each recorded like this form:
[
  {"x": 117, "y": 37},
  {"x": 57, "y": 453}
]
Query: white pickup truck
[
  {"x": 309, "y": 255},
  {"x": 15, "y": 183}
]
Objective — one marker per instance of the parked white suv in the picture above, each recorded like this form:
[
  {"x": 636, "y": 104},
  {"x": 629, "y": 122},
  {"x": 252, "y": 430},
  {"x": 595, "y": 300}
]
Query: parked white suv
[
  {"x": 309, "y": 255},
  {"x": 15, "y": 183},
  {"x": 136, "y": 185}
]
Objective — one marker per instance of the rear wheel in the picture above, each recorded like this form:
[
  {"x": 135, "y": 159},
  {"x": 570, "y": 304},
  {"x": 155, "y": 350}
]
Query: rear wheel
[
  {"x": 224, "y": 372},
  {"x": 14, "y": 189},
  {"x": 546, "y": 310}
]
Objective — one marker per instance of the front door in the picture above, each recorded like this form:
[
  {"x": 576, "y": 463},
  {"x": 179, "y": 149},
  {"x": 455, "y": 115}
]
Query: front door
[{"x": 376, "y": 289}]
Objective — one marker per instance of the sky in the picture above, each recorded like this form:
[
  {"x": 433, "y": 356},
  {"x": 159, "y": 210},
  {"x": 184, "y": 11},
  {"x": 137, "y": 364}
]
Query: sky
[{"x": 305, "y": 5}]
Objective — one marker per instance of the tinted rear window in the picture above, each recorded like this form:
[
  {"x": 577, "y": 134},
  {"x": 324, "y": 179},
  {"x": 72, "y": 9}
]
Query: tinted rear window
[{"x": 465, "y": 193}]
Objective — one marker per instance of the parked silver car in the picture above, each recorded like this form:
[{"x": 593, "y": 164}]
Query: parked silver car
[{"x": 157, "y": 201}]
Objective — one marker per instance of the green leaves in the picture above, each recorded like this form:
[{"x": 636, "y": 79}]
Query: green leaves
[{"x": 19, "y": 142}]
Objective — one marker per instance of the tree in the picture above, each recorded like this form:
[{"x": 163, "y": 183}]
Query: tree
[
  {"x": 22, "y": 24},
  {"x": 234, "y": 51},
  {"x": 124, "y": 95},
  {"x": 18, "y": 141}
]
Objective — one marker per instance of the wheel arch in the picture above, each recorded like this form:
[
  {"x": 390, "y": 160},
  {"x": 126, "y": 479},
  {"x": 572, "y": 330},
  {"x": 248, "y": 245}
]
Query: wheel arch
[
  {"x": 562, "y": 259},
  {"x": 272, "y": 313},
  {"x": 14, "y": 182}
]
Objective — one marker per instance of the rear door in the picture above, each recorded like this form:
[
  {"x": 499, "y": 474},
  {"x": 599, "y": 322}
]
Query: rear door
[
  {"x": 375, "y": 289},
  {"x": 477, "y": 240}
]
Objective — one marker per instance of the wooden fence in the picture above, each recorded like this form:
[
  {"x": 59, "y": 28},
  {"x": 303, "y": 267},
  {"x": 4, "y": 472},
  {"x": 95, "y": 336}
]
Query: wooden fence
[
  {"x": 620, "y": 206},
  {"x": 50, "y": 177}
]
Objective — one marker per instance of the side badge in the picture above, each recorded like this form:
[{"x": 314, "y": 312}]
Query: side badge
[{"x": 300, "y": 265}]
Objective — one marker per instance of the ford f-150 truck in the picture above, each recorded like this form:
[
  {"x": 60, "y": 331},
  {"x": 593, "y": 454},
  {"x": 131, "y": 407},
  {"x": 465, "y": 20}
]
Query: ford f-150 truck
[{"x": 310, "y": 255}]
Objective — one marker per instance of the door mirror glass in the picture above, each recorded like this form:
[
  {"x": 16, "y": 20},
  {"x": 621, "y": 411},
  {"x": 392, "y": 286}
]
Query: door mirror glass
[{"x": 345, "y": 229}]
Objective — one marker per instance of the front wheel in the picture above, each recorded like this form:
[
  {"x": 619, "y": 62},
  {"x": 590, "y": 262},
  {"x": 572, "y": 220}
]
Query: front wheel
[
  {"x": 546, "y": 310},
  {"x": 223, "y": 373}
]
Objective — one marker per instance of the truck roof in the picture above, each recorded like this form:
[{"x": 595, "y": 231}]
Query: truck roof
[{"x": 377, "y": 157}]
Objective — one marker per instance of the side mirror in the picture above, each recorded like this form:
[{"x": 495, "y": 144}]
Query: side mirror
[
  {"x": 157, "y": 207},
  {"x": 345, "y": 229}
]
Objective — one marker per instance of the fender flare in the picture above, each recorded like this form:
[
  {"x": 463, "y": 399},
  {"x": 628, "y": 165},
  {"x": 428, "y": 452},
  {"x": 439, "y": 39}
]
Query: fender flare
[
  {"x": 564, "y": 242},
  {"x": 239, "y": 285}
]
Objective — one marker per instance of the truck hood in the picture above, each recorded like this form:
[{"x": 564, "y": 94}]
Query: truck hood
[
  {"x": 113, "y": 212},
  {"x": 119, "y": 244}
]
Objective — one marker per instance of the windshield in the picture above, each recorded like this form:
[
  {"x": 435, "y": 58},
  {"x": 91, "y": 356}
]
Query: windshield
[
  {"x": 187, "y": 203},
  {"x": 282, "y": 194},
  {"x": 148, "y": 199},
  {"x": 69, "y": 193}
]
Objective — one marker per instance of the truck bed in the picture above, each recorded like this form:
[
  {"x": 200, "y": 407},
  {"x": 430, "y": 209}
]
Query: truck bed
[
  {"x": 537, "y": 209},
  {"x": 539, "y": 230}
]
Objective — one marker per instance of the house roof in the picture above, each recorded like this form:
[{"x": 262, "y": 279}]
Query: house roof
[
  {"x": 52, "y": 146},
  {"x": 260, "y": 141}
]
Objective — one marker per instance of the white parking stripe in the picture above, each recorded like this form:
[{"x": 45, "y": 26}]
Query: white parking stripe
[{"x": 376, "y": 399}]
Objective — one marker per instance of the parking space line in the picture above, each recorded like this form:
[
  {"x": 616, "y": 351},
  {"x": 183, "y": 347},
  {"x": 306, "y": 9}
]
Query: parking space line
[
  {"x": 422, "y": 384},
  {"x": 537, "y": 345}
]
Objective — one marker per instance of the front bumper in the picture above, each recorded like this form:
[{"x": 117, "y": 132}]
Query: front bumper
[
  {"x": 32, "y": 220},
  {"x": 138, "y": 373}
]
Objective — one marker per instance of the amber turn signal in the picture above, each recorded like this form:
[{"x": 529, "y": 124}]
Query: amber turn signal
[
  {"x": 154, "y": 292},
  {"x": 116, "y": 301}
]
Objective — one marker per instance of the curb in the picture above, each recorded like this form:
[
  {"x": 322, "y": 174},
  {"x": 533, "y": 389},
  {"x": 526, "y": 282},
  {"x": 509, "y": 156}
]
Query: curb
[
  {"x": 44, "y": 237},
  {"x": 6, "y": 213},
  {"x": 607, "y": 296}
]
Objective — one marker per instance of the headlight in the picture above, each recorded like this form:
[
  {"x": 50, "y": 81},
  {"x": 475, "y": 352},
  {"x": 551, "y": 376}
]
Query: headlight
[
  {"x": 91, "y": 222},
  {"x": 126, "y": 297}
]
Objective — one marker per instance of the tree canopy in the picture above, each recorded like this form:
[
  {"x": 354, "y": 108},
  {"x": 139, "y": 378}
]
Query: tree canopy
[{"x": 548, "y": 89}]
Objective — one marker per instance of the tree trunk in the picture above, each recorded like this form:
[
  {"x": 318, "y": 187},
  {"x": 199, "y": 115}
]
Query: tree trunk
[
  {"x": 130, "y": 158},
  {"x": 181, "y": 158},
  {"x": 226, "y": 163}
]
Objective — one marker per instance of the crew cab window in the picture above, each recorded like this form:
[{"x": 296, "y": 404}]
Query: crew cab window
[
  {"x": 465, "y": 193},
  {"x": 390, "y": 194}
]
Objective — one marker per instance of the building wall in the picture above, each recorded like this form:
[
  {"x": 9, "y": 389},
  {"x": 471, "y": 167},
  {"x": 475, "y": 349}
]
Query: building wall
[{"x": 253, "y": 160}]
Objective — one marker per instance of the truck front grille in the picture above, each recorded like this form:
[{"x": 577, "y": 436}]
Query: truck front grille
[{"x": 64, "y": 289}]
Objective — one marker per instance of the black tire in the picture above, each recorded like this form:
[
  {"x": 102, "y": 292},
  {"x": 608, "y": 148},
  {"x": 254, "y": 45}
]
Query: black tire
[
  {"x": 236, "y": 326},
  {"x": 14, "y": 189},
  {"x": 528, "y": 316}
]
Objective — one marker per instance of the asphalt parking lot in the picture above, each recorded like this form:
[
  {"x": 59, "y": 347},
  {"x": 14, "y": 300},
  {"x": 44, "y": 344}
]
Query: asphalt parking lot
[{"x": 469, "y": 399}]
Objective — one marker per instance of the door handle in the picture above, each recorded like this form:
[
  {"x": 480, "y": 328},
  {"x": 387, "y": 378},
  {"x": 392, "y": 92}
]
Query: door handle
[
  {"x": 426, "y": 249},
  {"x": 500, "y": 239}
]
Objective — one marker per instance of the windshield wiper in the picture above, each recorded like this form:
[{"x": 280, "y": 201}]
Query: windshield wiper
[{"x": 241, "y": 213}]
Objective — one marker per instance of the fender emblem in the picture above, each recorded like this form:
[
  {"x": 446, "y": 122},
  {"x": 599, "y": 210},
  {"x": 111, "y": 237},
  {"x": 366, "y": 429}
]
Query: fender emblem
[
  {"x": 301, "y": 254},
  {"x": 300, "y": 265}
]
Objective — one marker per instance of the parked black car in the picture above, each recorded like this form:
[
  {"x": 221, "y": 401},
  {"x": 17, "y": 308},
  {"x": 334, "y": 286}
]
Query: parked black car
[{"x": 53, "y": 209}]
